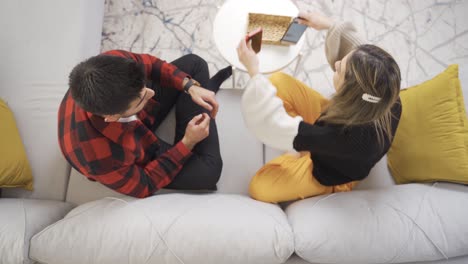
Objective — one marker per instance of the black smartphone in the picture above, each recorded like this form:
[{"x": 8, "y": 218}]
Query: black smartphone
[
  {"x": 294, "y": 32},
  {"x": 256, "y": 37}
]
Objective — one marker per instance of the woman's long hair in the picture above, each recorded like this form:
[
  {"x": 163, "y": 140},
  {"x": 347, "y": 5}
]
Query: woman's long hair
[{"x": 373, "y": 71}]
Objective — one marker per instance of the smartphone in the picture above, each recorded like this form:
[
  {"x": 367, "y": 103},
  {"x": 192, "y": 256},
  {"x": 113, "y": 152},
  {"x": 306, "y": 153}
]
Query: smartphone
[
  {"x": 256, "y": 37},
  {"x": 294, "y": 32}
]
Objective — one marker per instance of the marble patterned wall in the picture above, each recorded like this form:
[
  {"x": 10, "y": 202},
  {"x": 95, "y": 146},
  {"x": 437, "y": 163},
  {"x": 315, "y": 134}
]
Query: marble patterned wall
[{"x": 423, "y": 35}]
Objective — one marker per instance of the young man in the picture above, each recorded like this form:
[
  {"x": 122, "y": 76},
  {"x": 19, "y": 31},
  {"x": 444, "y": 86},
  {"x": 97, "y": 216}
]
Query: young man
[{"x": 114, "y": 104}]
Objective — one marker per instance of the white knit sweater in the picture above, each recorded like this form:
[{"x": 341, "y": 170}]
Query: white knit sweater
[{"x": 265, "y": 116}]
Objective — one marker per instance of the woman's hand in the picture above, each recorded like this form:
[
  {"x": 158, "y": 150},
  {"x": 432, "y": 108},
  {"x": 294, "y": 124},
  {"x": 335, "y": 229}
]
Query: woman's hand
[
  {"x": 315, "y": 20},
  {"x": 248, "y": 57}
]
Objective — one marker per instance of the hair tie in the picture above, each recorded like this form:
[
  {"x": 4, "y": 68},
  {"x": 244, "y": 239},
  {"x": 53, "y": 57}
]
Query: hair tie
[{"x": 370, "y": 98}]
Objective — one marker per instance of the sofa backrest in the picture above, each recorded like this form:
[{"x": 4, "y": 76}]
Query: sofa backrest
[
  {"x": 242, "y": 153},
  {"x": 41, "y": 42},
  {"x": 463, "y": 75},
  {"x": 379, "y": 176}
]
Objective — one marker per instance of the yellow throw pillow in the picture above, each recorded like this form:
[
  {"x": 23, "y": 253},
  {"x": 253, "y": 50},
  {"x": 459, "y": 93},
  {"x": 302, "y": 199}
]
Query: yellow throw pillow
[
  {"x": 14, "y": 166},
  {"x": 431, "y": 142}
]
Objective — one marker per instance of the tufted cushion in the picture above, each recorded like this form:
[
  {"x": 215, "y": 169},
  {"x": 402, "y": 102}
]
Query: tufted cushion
[
  {"x": 403, "y": 223},
  {"x": 169, "y": 228},
  {"x": 20, "y": 219}
]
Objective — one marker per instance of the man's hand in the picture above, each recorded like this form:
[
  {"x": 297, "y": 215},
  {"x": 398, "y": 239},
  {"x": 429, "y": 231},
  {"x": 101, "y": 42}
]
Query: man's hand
[
  {"x": 197, "y": 129},
  {"x": 205, "y": 98},
  {"x": 248, "y": 57},
  {"x": 315, "y": 20}
]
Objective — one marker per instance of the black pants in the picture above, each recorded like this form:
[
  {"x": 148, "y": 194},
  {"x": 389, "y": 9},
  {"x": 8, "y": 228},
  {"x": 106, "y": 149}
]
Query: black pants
[{"x": 203, "y": 169}]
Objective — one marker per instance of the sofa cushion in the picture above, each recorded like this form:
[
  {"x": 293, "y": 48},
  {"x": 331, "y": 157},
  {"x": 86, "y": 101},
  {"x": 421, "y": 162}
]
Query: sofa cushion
[
  {"x": 242, "y": 154},
  {"x": 14, "y": 165},
  {"x": 458, "y": 260},
  {"x": 81, "y": 190},
  {"x": 431, "y": 142},
  {"x": 20, "y": 219},
  {"x": 403, "y": 223},
  {"x": 168, "y": 228}
]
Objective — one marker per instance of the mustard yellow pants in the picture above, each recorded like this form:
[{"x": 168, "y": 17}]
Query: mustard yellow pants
[{"x": 289, "y": 176}]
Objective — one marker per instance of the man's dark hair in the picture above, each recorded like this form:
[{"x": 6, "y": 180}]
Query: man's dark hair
[{"x": 105, "y": 85}]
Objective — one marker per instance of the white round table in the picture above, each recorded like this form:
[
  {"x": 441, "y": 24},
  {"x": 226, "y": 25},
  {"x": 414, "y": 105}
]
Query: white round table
[{"x": 230, "y": 26}]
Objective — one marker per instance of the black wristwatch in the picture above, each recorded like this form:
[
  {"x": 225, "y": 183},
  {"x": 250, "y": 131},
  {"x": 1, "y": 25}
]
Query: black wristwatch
[{"x": 188, "y": 85}]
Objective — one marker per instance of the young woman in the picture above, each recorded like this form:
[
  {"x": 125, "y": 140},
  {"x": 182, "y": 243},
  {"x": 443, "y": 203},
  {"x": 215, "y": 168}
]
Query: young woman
[{"x": 335, "y": 142}]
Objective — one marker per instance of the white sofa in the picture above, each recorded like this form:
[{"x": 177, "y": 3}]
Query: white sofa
[{"x": 377, "y": 223}]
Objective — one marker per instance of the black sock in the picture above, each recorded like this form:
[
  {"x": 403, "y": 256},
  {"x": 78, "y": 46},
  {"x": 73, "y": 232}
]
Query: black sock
[{"x": 215, "y": 82}]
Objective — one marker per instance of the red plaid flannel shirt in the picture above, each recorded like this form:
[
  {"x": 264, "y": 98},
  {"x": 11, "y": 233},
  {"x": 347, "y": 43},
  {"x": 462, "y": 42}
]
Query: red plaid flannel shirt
[{"x": 121, "y": 155}]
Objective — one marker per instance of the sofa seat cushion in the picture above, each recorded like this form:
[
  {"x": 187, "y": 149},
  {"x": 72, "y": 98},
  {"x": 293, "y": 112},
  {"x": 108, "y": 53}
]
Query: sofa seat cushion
[
  {"x": 412, "y": 222},
  {"x": 20, "y": 219},
  {"x": 168, "y": 228}
]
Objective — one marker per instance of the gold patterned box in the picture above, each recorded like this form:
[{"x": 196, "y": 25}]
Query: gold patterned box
[{"x": 274, "y": 27}]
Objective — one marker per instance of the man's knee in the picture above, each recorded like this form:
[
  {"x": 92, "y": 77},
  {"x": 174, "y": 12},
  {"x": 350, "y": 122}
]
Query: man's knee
[{"x": 200, "y": 63}]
